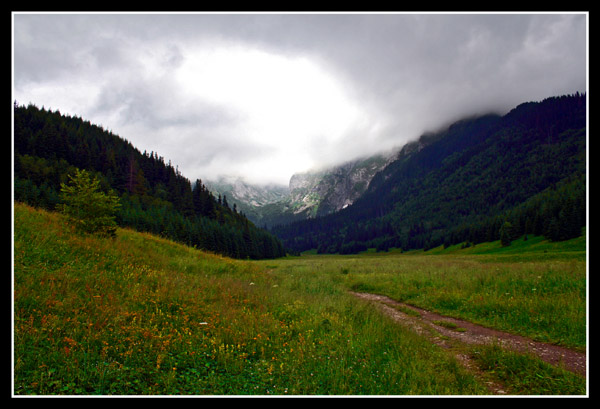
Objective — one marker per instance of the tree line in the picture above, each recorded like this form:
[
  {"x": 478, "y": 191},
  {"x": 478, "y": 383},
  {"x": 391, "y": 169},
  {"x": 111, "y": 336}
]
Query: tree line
[{"x": 154, "y": 196}]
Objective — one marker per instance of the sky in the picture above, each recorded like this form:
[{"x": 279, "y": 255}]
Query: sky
[{"x": 267, "y": 95}]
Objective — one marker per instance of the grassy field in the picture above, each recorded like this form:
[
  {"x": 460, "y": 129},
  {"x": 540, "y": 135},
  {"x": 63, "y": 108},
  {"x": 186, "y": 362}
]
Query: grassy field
[
  {"x": 534, "y": 288},
  {"x": 141, "y": 315}
]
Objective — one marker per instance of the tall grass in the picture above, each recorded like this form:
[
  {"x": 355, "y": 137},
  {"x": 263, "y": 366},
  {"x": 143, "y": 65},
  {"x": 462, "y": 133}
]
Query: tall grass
[{"x": 140, "y": 315}]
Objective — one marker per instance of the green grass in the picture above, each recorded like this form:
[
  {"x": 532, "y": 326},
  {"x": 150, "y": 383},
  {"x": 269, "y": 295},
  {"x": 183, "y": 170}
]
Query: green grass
[
  {"x": 534, "y": 288},
  {"x": 449, "y": 325},
  {"x": 524, "y": 374},
  {"x": 141, "y": 315},
  {"x": 533, "y": 248}
]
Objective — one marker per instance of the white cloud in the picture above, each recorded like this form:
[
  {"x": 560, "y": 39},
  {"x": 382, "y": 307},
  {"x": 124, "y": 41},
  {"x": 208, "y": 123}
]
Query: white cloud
[{"x": 284, "y": 104}]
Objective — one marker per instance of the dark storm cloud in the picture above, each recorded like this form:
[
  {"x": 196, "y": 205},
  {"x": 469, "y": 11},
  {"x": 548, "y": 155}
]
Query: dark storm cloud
[{"x": 410, "y": 72}]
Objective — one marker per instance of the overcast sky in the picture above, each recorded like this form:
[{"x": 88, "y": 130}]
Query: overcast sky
[{"x": 268, "y": 95}]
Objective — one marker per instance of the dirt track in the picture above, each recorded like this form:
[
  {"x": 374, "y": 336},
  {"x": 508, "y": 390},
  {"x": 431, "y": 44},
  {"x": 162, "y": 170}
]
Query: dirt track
[{"x": 470, "y": 333}]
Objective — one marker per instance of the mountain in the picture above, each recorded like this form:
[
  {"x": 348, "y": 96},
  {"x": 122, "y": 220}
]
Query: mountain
[
  {"x": 248, "y": 198},
  {"x": 525, "y": 169},
  {"x": 319, "y": 193},
  {"x": 154, "y": 196},
  {"x": 310, "y": 194}
]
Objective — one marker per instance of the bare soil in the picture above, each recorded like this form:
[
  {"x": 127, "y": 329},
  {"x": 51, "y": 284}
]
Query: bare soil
[{"x": 442, "y": 330}]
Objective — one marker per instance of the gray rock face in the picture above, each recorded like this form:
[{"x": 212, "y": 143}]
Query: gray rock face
[
  {"x": 310, "y": 194},
  {"x": 257, "y": 195},
  {"x": 247, "y": 197},
  {"x": 323, "y": 192}
]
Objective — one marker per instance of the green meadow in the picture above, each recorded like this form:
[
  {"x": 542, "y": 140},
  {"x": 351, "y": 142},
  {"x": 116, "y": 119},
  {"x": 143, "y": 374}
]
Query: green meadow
[
  {"x": 533, "y": 287},
  {"x": 141, "y": 315}
]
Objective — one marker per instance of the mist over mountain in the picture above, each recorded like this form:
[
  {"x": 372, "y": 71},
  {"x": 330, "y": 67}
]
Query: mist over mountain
[
  {"x": 248, "y": 198},
  {"x": 309, "y": 194},
  {"x": 526, "y": 169}
]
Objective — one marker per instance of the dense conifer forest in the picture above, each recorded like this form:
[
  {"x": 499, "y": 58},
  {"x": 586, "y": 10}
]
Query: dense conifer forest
[
  {"x": 154, "y": 196},
  {"x": 482, "y": 179}
]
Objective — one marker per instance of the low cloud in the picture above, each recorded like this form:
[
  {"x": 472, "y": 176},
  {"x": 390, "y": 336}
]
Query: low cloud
[{"x": 371, "y": 81}]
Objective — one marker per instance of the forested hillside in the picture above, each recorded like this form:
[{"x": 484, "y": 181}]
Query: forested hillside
[
  {"x": 523, "y": 173},
  {"x": 155, "y": 197}
]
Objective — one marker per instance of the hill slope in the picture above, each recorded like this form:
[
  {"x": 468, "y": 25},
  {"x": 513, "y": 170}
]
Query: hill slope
[
  {"x": 473, "y": 177},
  {"x": 155, "y": 197}
]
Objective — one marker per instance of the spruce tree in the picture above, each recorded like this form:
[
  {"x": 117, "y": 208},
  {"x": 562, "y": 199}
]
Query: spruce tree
[{"x": 88, "y": 208}]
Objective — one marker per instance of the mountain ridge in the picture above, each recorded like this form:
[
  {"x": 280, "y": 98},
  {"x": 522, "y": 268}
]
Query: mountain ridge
[{"x": 468, "y": 181}]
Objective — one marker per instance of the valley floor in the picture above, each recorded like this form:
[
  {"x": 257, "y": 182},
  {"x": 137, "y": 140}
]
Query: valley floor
[{"x": 141, "y": 315}]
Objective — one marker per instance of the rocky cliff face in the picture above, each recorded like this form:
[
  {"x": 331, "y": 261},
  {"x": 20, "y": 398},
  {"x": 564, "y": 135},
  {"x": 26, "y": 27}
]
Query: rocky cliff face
[
  {"x": 330, "y": 190},
  {"x": 247, "y": 197},
  {"x": 310, "y": 194},
  {"x": 254, "y": 195}
]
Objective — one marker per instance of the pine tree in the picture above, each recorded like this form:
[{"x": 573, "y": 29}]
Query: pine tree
[{"x": 88, "y": 208}]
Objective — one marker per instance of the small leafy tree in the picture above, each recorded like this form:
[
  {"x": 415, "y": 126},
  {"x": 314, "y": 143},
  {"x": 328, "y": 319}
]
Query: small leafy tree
[{"x": 87, "y": 207}]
